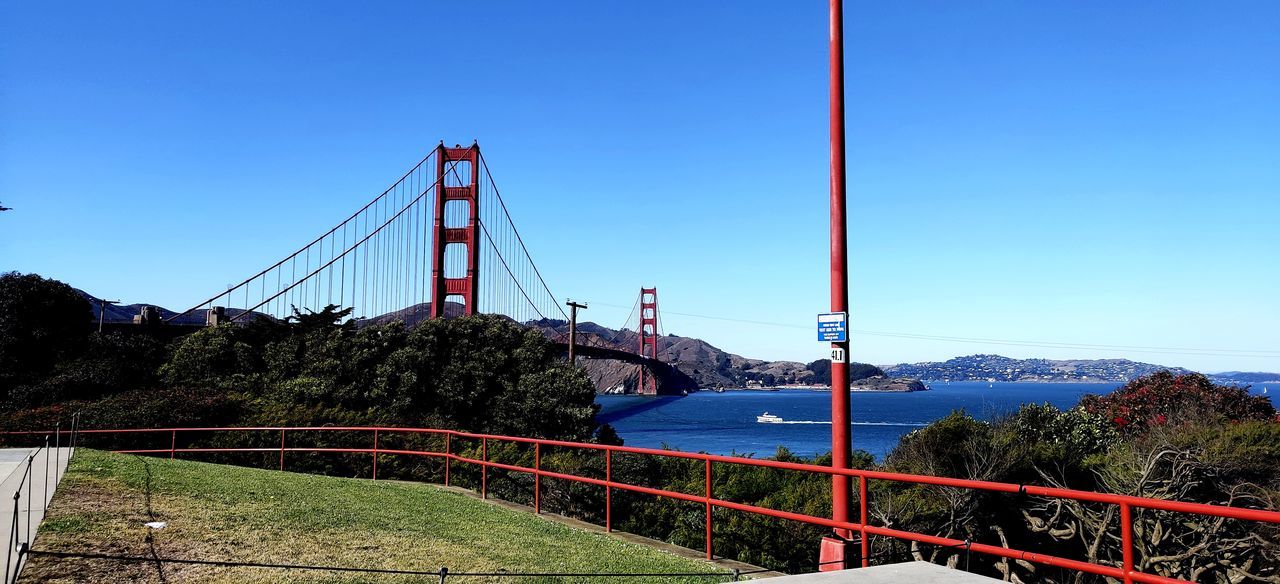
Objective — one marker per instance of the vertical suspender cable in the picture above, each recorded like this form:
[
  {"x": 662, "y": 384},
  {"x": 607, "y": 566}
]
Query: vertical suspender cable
[
  {"x": 333, "y": 242},
  {"x": 342, "y": 279},
  {"x": 399, "y": 250},
  {"x": 364, "y": 272}
]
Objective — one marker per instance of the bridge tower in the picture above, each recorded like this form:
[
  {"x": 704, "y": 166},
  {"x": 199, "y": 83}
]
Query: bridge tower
[
  {"x": 457, "y": 177},
  {"x": 648, "y": 338}
]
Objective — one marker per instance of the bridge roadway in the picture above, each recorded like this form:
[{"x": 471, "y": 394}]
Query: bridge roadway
[{"x": 670, "y": 379}]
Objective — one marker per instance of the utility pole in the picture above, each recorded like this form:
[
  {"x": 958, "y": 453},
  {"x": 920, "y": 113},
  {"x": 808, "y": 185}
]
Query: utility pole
[
  {"x": 841, "y": 441},
  {"x": 102, "y": 311},
  {"x": 573, "y": 329}
]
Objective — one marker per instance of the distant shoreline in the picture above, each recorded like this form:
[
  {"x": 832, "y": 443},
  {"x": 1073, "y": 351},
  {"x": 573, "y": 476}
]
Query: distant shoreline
[
  {"x": 931, "y": 382},
  {"x": 925, "y": 381}
]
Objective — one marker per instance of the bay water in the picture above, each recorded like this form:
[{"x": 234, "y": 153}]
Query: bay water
[{"x": 725, "y": 423}]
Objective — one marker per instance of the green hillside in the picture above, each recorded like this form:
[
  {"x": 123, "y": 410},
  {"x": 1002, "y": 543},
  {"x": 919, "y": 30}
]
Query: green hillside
[{"x": 216, "y": 512}]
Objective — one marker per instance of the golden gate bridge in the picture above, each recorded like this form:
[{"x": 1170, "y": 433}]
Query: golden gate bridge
[{"x": 438, "y": 243}]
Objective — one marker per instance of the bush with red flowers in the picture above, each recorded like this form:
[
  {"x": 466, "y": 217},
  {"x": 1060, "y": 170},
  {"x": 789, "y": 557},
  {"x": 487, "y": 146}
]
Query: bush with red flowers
[{"x": 1164, "y": 399}]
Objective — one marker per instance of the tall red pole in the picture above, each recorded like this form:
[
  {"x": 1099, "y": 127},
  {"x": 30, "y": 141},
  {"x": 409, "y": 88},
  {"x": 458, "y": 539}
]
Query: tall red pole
[{"x": 841, "y": 442}]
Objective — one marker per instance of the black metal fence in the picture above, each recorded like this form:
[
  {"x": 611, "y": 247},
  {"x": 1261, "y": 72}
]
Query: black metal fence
[{"x": 52, "y": 455}]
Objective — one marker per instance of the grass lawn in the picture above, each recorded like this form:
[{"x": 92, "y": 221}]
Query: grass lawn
[{"x": 217, "y": 512}]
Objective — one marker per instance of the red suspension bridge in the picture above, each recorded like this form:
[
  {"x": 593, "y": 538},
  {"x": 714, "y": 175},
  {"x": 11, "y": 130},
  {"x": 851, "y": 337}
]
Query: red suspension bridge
[{"x": 439, "y": 242}]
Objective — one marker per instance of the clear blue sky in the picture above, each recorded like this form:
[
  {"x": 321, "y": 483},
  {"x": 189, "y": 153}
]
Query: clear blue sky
[{"x": 1103, "y": 173}]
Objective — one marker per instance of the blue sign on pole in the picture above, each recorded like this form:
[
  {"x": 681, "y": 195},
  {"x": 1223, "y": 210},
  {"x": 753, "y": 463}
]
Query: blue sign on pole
[{"x": 832, "y": 327}]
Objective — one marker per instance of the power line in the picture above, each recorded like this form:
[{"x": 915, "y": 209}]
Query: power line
[{"x": 993, "y": 341}]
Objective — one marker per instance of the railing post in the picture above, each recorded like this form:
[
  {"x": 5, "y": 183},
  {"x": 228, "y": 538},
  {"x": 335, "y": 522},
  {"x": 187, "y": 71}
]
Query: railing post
[
  {"x": 537, "y": 477},
  {"x": 608, "y": 489},
  {"x": 707, "y": 502},
  {"x": 1126, "y": 541},
  {"x": 13, "y": 536},
  {"x": 375, "y": 454},
  {"x": 282, "y": 449},
  {"x": 57, "y": 451},
  {"x": 484, "y": 468},
  {"x": 31, "y": 480},
  {"x": 862, "y": 520},
  {"x": 45, "y": 504},
  {"x": 448, "y": 454},
  {"x": 173, "y": 442}
]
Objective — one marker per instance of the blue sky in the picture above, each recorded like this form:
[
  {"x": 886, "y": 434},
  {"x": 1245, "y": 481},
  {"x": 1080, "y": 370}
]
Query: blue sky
[{"x": 1096, "y": 173}]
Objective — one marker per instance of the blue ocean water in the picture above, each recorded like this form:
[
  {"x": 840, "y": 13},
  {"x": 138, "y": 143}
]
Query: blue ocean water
[{"x": 725, "y": 423}]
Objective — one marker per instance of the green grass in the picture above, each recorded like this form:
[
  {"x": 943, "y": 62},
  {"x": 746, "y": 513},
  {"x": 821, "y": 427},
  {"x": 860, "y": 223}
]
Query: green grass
[{"x": 217, "y": 512}]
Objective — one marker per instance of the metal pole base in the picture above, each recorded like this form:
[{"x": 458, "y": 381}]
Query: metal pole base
[{"x": 838, "y": 553}]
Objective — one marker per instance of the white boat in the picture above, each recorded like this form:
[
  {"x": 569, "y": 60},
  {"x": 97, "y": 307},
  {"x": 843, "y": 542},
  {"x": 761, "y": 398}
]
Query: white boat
[{"x": 767, "y": 418}]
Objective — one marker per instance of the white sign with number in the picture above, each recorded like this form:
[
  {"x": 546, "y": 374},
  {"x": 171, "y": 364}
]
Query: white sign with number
[{"x": 837, "y": 354}]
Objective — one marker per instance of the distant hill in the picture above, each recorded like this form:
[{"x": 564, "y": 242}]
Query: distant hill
[
  {"x": 124, "y": 313},
  {"x": 1242, "y": 377},
  {"x": 709, "y": 366},
  {"x": 1000, "y": 368}
]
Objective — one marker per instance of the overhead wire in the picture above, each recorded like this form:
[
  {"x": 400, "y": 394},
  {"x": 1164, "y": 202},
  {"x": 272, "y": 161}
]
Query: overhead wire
[{"x": 1012, "y": 342}]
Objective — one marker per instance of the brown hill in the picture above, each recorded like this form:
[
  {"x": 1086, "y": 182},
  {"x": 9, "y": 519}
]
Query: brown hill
[{"x": 709, "y": 366}]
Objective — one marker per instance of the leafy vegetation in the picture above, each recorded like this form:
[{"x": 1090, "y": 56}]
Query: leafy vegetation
[
  {"x": 1164, "y": 398},
  {"x": 44, "y": 329},
  {"x": 822, "y": 371},
  {"x": 479, "y": 373}
]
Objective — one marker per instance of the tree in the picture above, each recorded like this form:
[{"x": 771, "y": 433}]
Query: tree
[
  {"x": 1234, "y": 464},
  {"x": 956, "y": 446},
  {"x": 217, "y": 357},
  {"x": 486, "y": 373},
  {"x": 1178, "y": 437},
  {"x": 112, "y": 362},
  {"x": 822, "y": 370},
  {"x": 42, "y": 322}
]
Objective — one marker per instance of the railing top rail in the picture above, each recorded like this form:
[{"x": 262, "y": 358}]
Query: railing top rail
[{"x": 1266, "y": 516}]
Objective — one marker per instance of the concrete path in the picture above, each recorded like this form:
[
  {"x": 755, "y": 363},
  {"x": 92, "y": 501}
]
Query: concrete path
[
  {"x": 907, "y": 572},
  {"x": 34, "y": 493}
]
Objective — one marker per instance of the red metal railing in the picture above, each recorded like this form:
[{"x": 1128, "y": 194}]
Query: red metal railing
[{"x": 1126, "y": 503}]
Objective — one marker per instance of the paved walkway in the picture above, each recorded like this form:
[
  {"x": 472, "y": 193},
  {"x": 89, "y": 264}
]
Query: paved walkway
[
  {"x": 907, "y": 572},
  {"x": 35, "y": 492}
]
